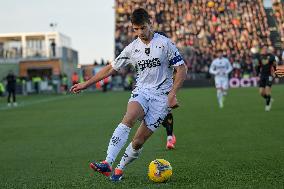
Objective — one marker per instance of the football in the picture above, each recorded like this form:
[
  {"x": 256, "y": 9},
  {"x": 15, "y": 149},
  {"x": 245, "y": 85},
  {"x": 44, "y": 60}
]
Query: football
[{"x": 160, "y": 170}]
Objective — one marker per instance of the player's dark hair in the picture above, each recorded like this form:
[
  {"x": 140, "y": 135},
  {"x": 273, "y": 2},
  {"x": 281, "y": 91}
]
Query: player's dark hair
[{"x": 140, "y": 16}]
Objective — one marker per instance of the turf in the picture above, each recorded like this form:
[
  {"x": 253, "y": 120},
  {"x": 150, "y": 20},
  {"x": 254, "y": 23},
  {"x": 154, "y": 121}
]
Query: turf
[{"x": 49, "y": 140}]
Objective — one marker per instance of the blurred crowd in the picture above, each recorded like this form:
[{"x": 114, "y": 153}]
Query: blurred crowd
[
  {"x": 278, "y": 7},
  {"x": 200, "y": 28}
]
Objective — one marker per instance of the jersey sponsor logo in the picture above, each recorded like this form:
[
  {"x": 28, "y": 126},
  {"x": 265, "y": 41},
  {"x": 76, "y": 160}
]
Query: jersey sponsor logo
[{"x": 149, "y": 63}]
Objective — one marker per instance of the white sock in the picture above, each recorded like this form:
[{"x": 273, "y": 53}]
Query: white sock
[
  {"x": 169, "y": 138},
  {"x": 130, "y": 155},
  {"x": 117, "y": 141},
  {"x": 220, "y": 97}
]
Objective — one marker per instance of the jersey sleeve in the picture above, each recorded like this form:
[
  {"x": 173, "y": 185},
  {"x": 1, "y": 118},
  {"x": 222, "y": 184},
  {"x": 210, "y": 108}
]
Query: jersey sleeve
[
  {"x": 212, "y": 69},
  {"x": 229, "y": 68},
  {"x": 123, "y": 59},
  {"x": 174, "y": 57}
]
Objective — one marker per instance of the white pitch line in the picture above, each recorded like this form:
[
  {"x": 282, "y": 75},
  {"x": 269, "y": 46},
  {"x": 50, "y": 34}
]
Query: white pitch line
[{"x": 24, "y": 104}]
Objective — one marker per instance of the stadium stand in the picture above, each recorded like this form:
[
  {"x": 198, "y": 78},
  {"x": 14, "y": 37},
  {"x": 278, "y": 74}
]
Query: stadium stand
[{"x": 200, "y": 28}]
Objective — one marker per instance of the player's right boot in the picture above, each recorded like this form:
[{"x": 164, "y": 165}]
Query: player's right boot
[
  {"x": 117, "y": 175},
  {"x": 101, "y": 167},
  {"x": 174, "y": 139},
  {"x": 170, "y": 144}
]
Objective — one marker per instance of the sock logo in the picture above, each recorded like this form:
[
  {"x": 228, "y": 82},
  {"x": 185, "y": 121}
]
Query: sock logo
[{"x": 115, "y": 140}]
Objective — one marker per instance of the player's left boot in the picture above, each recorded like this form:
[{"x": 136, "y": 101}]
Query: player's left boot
[
  {"x": 117, "y": 175},
  {"x": 101, "y": 167},
  {"x": 268, "y": 107}
]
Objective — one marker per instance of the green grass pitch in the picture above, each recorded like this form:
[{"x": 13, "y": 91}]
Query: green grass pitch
[{"x": 49, "y": 141}]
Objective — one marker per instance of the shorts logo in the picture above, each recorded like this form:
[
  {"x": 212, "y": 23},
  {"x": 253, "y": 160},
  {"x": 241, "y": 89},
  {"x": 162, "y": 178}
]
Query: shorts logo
[{"x": 157, "y": 123}]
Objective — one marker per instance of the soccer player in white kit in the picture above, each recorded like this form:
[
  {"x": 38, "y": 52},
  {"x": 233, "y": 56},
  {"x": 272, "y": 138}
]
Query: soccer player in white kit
[
  {"x": 154, "y": 57},
  {"x": 220, "y": 68}
]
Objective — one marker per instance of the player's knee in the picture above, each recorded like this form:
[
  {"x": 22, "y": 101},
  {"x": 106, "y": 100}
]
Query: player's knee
[
  {"x": 262, "y": 93},
  {"x": 129, "y": 120}
]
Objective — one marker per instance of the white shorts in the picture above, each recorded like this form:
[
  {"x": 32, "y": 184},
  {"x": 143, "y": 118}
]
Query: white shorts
[
  {"x": 155, "y": 107},
  {"x": 222, "y": 83}
]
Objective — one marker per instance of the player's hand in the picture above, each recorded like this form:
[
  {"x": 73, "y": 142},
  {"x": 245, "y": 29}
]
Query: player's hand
[
  {"x": 280, "y": 71},
  {"x": 78, "y": 87},
  {"x": 172, "y": 100}
]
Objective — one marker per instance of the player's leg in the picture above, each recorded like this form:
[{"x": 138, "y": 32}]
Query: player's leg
[
  {"x": 225, "y": 87},
  {"x": 218, "y": 84},
  {"x": 9, "y": 97},
  {"x": 119, "y": 137},
  {"x": 269, "y": 99},
  {"x": 157, "y": 111},
  {"x": 220, "y": 97},
  {"x": 168, "y": 123},
  {"x": 14, "y": 98},
  {"x": 133, "y": 150}
]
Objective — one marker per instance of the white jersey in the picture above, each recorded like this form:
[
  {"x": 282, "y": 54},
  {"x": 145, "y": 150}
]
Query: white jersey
[
  {"x": 220, "y": 67},
  {"x": 153, "y": 62}
]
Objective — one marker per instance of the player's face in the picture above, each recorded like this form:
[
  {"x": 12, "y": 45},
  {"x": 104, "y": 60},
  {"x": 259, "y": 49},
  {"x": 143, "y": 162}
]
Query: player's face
[
  {"x": 142, "y": 31},
  {"x": 264, "y": 50},
  {"x": 220, "y": 54}
]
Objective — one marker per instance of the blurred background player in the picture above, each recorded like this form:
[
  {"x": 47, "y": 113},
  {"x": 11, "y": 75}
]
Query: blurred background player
[
  {"x": 11, "y": 88},
  {"x": 168, "y": 123},
  {"x": 266, "y": 68},
  {"x": 220, "y": 68}
]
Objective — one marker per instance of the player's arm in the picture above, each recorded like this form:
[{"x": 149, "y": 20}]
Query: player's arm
[
  {"x": 212, "y": 69},
  {"x": 121, "y": 61},
  {"x": 103, "y": 73},
  {"x": 279, "y": 71},
  {"x": 273, "y": 66},
  {"x": 229, "y": 68},
  {"x": 180, "y": 76},
  {"x": 175, "y": 60}
]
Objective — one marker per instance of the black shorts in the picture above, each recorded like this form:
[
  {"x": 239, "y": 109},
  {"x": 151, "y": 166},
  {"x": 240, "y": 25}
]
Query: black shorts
[{"x": 265, "y": 81}]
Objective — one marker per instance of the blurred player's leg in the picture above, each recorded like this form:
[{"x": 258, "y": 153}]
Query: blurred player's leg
[
  {"x": 218, "y": 84},
  {"x": 9, "y": 98},
  {"x": 265, "y": 91},
  {"x": 225, "y": 87},
  {"x": 168, "y": 123},
  {"x": 269, "y": 99},
  {"x": 220, "y": 97}
]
